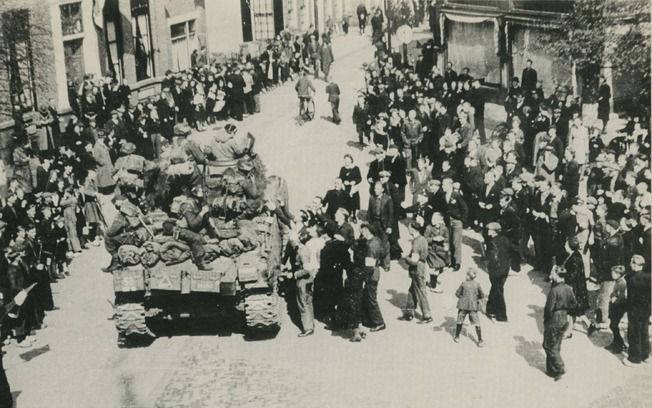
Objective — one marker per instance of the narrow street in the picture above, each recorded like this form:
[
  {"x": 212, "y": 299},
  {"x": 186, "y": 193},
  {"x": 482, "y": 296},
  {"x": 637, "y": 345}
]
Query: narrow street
[{"x": 76, "y": 361}]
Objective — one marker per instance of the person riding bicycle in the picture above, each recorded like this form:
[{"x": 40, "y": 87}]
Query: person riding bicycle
[{"x": 305, "y": 89}]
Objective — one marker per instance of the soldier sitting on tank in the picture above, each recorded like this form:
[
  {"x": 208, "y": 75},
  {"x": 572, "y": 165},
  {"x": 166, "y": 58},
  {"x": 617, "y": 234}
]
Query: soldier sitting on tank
[
  {"x": 127, "y": 228},
  {"x": 188, "y": 152},
  {"x": 229, "y": 147},
  {"x": 174, "y": 228},
  {"x": 128, "y": 168},
  {"x": 194, "y": 214}
]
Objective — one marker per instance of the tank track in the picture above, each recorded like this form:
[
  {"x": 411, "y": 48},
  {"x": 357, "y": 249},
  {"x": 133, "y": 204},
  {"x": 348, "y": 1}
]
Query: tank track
[
  {"x": 262, "y": 312},
  {"x": 130, "y": 320}
]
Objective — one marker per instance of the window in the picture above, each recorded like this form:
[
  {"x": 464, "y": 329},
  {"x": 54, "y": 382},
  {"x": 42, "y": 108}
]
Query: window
[
  {"x": 71, "y": 19},
  {"x": 16, "y": 56},
  {"x": 184, "y": 42},
  {"x": 264, "y": 20},
  {"x": 72, "y": 29},
  {"x": 114, "y": 56},
  {"x": 142, "y": 46}
]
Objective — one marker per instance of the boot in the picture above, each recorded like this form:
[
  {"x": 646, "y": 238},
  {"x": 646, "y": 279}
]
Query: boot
[
  {"x": 478, "y": 331},
  {"x": 458, "y": 330},
  {"x": 114, "y": 265}
]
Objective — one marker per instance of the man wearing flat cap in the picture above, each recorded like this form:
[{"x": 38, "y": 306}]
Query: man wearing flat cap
[
  {"x": 375, "y": 167},
  {"x": 559, "y": 301},
  {"x": 497, "y": 260}
]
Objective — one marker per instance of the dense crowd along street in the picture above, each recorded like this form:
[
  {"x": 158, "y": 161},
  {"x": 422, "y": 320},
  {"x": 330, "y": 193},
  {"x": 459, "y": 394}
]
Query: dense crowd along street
[{"x": 471, "y": 248}]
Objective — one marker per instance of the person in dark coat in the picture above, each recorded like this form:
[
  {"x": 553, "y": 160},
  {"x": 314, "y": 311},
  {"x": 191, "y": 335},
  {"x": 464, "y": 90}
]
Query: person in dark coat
[
  {"x": 380, "y": 214},
  {"x": 617, "y": 308},
  {"x": 638, "y": 313},
  {"x": 334, "y": 199},
  {"x": 510, "y": 223},
  {"x": 604, "y": 98},
  {"x": 576, "y": 279},
  {"x": 529, "y": 77},
  {"x": 361, "y": 12},
  {"x": 477, "y": 100},
  {"x": 373, "y": 258},
  {"x": 351, "y": 178},
  {"x": 334, "y": 260},
  {"x": 497, "y": 259},
  {"x": 333, "y": 91},
  {"x": 375, "y": 167},
  {"x": 362, "y": 120},
  {"x": 559, "y": 301}
]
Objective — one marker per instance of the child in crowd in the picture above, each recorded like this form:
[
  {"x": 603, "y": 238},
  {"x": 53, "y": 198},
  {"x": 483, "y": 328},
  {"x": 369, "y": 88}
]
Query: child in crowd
[{"x": 469, "y": 295}]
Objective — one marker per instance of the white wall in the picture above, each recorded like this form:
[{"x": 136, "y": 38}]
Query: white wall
[{"x": 223, "y": 25}]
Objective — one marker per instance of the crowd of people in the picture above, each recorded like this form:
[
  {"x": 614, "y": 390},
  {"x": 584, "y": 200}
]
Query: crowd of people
[{"x": 579, "y": 191}]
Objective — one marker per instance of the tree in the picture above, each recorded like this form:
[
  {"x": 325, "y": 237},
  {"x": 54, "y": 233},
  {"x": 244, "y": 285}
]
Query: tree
[
  {"x": 594, "y": 33},
  {"x": 24, "y": 44}
]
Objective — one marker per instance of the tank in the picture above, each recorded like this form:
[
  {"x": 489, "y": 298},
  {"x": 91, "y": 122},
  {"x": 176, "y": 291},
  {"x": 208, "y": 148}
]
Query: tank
[{"x": 158, "y": 281}]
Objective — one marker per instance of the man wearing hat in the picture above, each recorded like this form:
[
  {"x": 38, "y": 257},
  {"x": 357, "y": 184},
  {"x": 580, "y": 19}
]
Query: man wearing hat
[
  {"x": 398, "y": 171},
  {"x": 617, "y": 308},
  {"x": 375, "y": 167},
  {"x": 607, "y": 252},
  {"x": 559, "y": 301},
  {"x": 129, "y": 168},
  {"x": 510, "y": 224},
  {"x": 412, "y": 135},
  {"x": 497, "y": 258},
  {"x": 380, "y": 214},
  {"x": 457, "y": 212},
  {"x": 638, "y": 312},
  {"x": 361, "y": 120}
]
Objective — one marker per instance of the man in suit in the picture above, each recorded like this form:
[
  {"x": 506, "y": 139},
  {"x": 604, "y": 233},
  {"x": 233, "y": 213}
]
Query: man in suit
[
  {"x": 458, "y": 212},
  {"x": 497, "y": 259},
  {"x": 604, "y": 97},
  {"x": 529, "y": 77},
  {"x": 380, "y": 214},
  {"x": 450, "y": 75},
  {"x": 362, "y": 13},
  {"x": 638, "y": 313},
  {"x": 333, "y": 92},
  {"x": 334, "y": 199},
  {"x": 477, "y": 100},
  {"x": 375, "y": 167},
  {"x": 510, "y": 224}
]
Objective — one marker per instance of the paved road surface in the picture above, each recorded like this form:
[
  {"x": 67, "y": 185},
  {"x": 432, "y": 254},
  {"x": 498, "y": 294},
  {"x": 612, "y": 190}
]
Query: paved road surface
[{"x": 76, "y": 362}]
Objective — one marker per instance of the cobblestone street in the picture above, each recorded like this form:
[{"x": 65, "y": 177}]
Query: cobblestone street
[{"x": 76, "y": 361}]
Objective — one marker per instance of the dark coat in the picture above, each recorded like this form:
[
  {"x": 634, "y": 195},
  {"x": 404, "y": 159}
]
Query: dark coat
[
  {"x": 497, "y": 256},
  {"x": 381, "y": 210}
]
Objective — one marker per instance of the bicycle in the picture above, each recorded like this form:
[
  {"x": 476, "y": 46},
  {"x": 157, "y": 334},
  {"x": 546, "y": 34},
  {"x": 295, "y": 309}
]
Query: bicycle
[{"x": 306, "y": 109}]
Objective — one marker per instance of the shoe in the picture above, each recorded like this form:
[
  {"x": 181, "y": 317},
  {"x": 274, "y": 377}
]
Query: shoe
[
  {"x": 425, "y": 321},
  {"x": 456, "y": 267},
  {"x": 356, "y": 339},
  {"x": 204, "y": 267},
  {"x": 591, "y": 329},
  {"x": 614, "y": 348},
  {"x": 437, "y": 290},
  {"x": 646, "y": 361},
  {"x": 378, "y": 328},
  {"x": 456, "y": 339},
  {"x": 628, "y": 363},
  {"x": 406, "y": 318},
  {"x": 481, "y": 343},
  {"x": 558, "y": 376},
  {"x": 113, "y": 265},
  {"x": 306, "y": 333}
]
